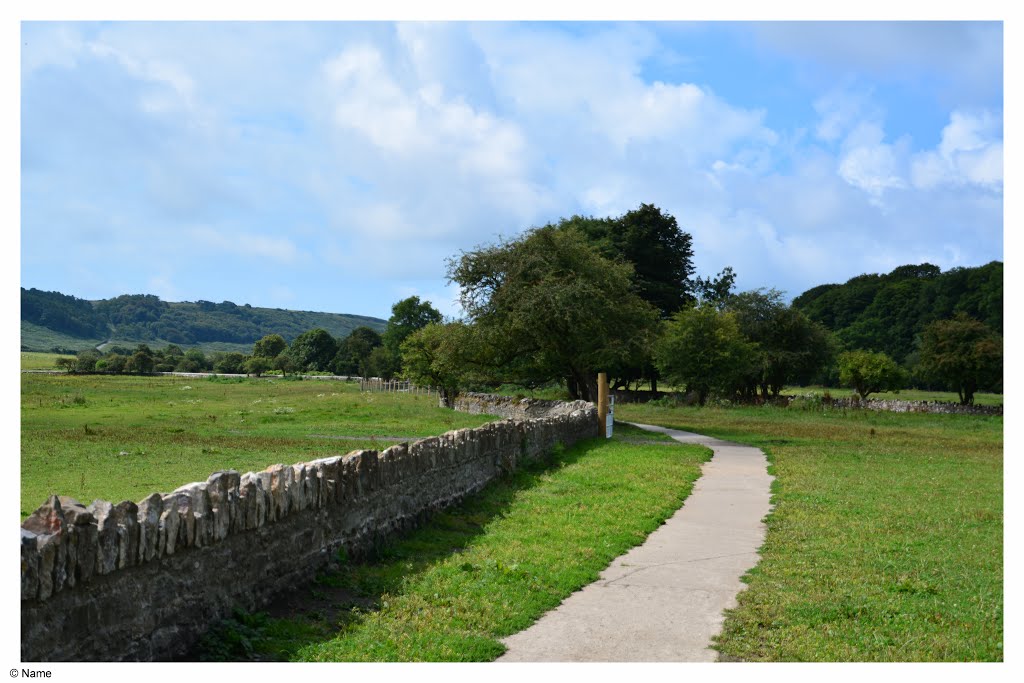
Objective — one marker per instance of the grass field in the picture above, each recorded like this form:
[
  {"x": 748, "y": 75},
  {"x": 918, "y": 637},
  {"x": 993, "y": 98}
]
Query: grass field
[
  {"x": 122, "y": 438},
  {"x": 33, "y": 360},
  {"x": 484, "y": 570},
  {"x": 886, "y": 541}
]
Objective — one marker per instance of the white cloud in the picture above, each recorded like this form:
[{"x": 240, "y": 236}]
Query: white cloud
[
  {"x": 970, "y": 153},
  {"x": 840, "y": 110}
]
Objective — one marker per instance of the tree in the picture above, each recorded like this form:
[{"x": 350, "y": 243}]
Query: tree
[
  {"x": 717, "y": 290},
  {"x": 199, "y": 358},
  {"x": 86, "y": 361},
  {"x": 257, "y": 365},
  {"x": 354, "y": 350},
  {"x": 438, "y": 355},
  {"x": 407, "y": 316},
  {"x": 67, "y": 364},
  {"x": 112, "y": 362},
  {"x": 548, "y": 306},
  {"x": 382, "y": 362},
  {"x": 140, "y": 362},
  {"x": 660, "y": 252},
  {"x": 704, "y": 350},
  {"x": 284, "y": 363},
  {"x": 313, "y": 350},
  {"x": 791, "y": 347},
  {"x": 269, "y": 346},
  {"x": 869, "y": 372},
  {"x": 231, "y": 363},
  {"x": 964, "y": 354}
]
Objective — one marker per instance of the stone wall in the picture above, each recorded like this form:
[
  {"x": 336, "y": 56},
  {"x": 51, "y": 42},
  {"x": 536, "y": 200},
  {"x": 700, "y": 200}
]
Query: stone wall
[
  {"x": 898, "y": 406},
  {"x": 142, "y": 581},
  {"x": 516, "y": 408}
]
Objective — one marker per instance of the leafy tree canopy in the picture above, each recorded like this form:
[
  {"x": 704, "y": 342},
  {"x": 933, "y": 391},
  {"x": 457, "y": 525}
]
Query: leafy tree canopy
[
  {"x": 963, "y": 353},
  {"x": 704, "y": 350},
  {"x": 868, "y": 372},
  {"x": 269, "y": 346},
  {"x": 314, "y": 350},
  {"x": 889, "y": 312},
  {"x": 549, "y": 306},
  {"x": 652, "y": 242},
  {"x": 407, "y": 316}
]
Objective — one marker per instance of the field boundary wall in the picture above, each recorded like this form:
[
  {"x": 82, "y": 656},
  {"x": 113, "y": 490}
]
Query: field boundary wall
[{"x": 142, "y": 581}]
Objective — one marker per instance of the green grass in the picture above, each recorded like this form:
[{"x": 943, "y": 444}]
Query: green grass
[
  {"x": 484, "y": 570},
  {"x": 38, "y": 338},
  {"x": 33, "y": 360},
  {"x": 123, "y": 438},
  {"x": 886, "y": 541}
]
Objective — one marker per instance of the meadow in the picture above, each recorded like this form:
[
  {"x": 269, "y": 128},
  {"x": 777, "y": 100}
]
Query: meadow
[
  {"x": 123, "y": 437},
  {"x": 446, "y": 592},
  {"x": 886, "y": 538},
  {"x": 885, "y": 542}
]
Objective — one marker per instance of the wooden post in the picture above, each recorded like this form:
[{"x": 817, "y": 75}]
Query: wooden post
[{"x": 602, "y": 400}]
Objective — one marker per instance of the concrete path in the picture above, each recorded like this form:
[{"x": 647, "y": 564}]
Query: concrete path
[{"x": 664, "y": 600}]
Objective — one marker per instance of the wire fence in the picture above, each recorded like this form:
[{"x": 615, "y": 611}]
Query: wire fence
[{"x": 375, "y": 384}]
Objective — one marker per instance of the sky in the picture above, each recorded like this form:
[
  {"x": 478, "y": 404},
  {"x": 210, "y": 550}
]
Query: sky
[{"x": 336, "y": 166}]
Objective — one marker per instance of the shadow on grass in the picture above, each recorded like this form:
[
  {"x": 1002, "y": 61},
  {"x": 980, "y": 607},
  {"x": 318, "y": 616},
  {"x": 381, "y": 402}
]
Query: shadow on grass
[{"x": 339, "y": 599}]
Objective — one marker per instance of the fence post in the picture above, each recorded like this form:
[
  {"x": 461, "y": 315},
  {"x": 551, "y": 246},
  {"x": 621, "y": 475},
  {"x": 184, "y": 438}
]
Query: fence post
[{"x": 602, "y": 400}]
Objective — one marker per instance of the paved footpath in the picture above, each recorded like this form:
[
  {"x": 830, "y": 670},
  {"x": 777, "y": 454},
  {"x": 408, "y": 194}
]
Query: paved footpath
[{"x": 664, "y": 600}]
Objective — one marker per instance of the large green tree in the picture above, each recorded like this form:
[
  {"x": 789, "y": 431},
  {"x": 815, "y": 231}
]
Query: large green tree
[
  {"x": 269, "y": 346},
  {"x": 963, "y": 353},
  {"x": 354, "y": 351},
  {"x": 661, "y": 254},
  {"x": 651, "y": 240},
  {"x": 407, "y": 316},
  {"x": 441, "y": 356},
  {"x": 703, "y": 350},
  {"x": 790, "y": 346},
  {"x": 549, "y": 306},
  {"x": 869, "y": 372},
  {"x": 313, "y": 350}
]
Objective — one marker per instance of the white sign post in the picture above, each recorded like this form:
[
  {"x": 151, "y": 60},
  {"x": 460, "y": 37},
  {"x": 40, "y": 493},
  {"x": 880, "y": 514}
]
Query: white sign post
[{"x": 609, "y": 419}]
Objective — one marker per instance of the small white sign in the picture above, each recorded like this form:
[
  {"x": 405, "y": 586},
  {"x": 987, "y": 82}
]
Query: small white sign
[{"x": 609, "y": 419}]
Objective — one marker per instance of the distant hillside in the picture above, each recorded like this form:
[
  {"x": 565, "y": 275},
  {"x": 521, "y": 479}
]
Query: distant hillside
[
  {"x": 52, "y": 319},
  {"x": 887, "y": 312}
]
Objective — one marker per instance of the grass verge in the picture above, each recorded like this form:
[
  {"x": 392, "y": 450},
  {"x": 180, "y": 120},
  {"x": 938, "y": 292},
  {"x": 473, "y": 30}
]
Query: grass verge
[
  {"x": 484, "y": 570},
  {"x": 886, "y": 541}
]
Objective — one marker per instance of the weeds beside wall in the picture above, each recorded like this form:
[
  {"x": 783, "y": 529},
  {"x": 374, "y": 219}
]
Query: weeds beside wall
[{"x": 142, "y": 581}]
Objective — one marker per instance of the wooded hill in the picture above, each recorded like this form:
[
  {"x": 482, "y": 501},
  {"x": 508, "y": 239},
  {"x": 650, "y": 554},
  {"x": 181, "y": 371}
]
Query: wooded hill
[
  {"x": 145, "y": 318},
  {"x": 887, "y": 312}
]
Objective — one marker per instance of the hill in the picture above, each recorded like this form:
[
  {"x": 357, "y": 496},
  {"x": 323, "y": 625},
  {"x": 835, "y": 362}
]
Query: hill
[
  {"x": 54, "y": 320},
  {"x": 887, "y": 312}
]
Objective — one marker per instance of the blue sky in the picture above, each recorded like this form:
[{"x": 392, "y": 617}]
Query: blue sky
[{"x": 334, "y": 166}]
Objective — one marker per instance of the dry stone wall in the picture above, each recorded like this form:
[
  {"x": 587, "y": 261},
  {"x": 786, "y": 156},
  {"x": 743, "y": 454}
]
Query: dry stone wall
[
  {"x": 516, "y": 408},
  {"x": 142, "y": 581}
]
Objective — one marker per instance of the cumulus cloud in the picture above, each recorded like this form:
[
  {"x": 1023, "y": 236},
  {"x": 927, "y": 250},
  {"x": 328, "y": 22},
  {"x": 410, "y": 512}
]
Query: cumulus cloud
[
  {"x": 361, "y": 156},
  {"x": 869, "y": 163},
  {"x": 970, "y": 153}
]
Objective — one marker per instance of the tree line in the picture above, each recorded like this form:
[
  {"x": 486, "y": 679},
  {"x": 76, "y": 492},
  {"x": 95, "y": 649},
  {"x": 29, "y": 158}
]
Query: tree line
[
  {"x": 363, "y": 352},
  {"x": 569, "y": 299},
  {"x": 147, "y": 318}
]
